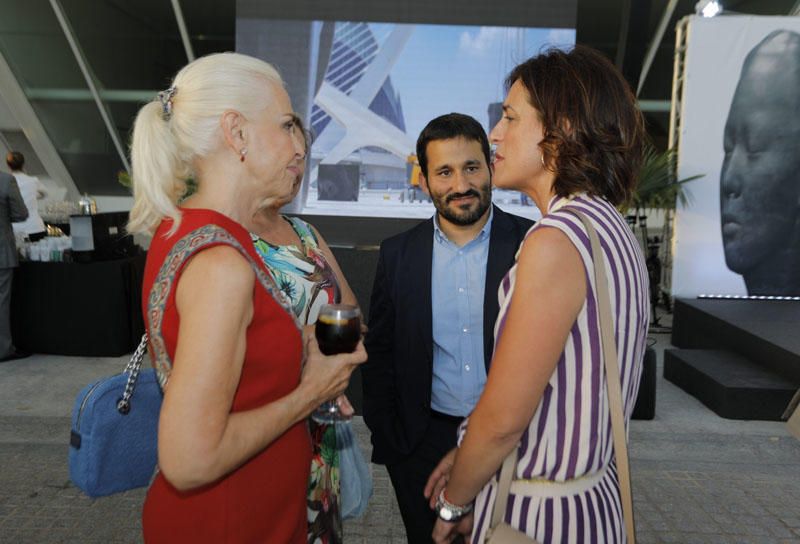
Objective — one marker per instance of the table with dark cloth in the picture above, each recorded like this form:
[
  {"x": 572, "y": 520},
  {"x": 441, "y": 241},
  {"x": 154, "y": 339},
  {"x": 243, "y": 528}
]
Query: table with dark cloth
[{"x": 88, "y": 309}]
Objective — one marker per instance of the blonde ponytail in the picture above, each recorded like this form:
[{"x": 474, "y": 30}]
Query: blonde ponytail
[
  {"x": 164, "y": 147},
  {"x": 158, "y": 172}
]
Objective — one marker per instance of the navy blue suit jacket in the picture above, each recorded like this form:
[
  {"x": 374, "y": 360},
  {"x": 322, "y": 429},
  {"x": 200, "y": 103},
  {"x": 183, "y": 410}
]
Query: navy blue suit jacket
[{"x": 397, "y": 377}]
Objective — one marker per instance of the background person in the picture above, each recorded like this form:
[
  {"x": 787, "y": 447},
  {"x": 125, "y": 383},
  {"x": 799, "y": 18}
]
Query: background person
[
  {"x": 12, "y": 208},
  {"x": 32, "y": 191},
  {"x": 309, "y": 277},
  {"x": 233, "y": 445},
  {"x": 570, "y": 138},
  {"x": 434, "y": 303}
]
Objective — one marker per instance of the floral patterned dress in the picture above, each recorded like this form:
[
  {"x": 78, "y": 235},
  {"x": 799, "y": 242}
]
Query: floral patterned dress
[{"x": 308, "y": 282}]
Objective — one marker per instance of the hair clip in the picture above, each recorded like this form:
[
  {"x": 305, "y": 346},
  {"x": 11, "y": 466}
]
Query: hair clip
[{"x": 165, "y": 97}]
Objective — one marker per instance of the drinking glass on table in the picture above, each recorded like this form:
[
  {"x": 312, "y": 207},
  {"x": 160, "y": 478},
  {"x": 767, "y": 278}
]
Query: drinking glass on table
[{"x": 338, "y": 330}]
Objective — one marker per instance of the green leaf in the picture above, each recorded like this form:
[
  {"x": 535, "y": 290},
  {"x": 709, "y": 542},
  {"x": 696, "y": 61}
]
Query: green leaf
[
  {"x": 658, "y": 184},
  {"x": 330, "y": 455},
  {"x": 124, "y": 179}
]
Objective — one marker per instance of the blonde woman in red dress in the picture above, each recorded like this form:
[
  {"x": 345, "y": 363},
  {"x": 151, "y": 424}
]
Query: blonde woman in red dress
[{"x": 239, "y": 383}]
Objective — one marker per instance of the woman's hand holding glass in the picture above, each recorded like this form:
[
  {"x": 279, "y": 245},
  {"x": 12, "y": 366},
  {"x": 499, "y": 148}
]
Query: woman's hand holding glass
[
  {"x": 345, "y": 407},
  {"x": 338, "y": 330},
  {"x": 326, "y": 376}
]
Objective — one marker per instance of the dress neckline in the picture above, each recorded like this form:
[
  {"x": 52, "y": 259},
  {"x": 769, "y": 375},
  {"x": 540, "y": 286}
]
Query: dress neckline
[
  {"x": 558, "y": 202},
  {"x": 255, "y": 237},
  {"x": 225, "y": 218}
]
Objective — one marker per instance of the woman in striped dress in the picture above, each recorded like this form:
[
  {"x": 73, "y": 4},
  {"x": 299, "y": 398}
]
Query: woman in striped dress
[{"x": 571, "y": 139}]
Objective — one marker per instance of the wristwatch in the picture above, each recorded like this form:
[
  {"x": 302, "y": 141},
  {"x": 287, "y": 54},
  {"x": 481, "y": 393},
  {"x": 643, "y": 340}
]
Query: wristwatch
[{"x": 449, "y": 511}]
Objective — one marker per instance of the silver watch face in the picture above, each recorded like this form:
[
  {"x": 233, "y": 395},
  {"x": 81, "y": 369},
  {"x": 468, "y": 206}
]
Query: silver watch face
[{"x": 445, "y": 513}]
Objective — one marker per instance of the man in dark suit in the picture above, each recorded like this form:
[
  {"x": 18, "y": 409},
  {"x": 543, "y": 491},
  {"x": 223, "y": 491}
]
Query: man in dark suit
[
  {"x": 432, "y": 314},
  {"x": 12, "y": 209}
]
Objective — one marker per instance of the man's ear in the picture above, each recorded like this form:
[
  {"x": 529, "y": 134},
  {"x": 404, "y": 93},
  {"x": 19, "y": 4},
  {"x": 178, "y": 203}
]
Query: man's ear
[
  {"x": 232, "y": 123},
  {"x": 423, "y": 183}
]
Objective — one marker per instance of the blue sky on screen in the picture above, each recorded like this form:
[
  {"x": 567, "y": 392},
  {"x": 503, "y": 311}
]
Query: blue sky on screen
[{"x": 461, "y": 68}]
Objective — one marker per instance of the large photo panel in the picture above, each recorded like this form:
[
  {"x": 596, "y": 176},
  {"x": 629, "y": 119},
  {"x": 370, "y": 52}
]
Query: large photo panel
[
  {"x": 741, "y": 129},
  {"x": 367, "y": 89}
]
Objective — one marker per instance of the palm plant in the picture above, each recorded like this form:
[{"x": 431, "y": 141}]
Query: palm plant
[{"x": 659, "y": 189}]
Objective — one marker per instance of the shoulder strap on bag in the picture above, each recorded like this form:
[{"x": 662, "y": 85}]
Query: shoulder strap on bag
[
  {"x": 613, "y": 382},
  {"x": 503, "y": 488},
  {"x": 191, "y": 243},
  {"x": 133, "y": 368}
]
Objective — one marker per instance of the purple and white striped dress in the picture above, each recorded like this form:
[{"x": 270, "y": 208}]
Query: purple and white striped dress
[{"x": 569, "y": 437}]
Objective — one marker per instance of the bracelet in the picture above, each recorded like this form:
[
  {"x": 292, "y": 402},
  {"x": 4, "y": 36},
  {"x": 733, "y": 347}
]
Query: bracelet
[{"x": 448, "y": 511}]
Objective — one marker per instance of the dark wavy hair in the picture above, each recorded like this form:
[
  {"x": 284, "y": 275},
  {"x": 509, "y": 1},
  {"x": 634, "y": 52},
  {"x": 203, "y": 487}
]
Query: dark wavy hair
[
  {"x": 593, "y": 129},
  {"x": 446, "y": 127}
]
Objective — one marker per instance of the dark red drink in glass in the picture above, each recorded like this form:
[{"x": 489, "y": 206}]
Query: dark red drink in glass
[{"x": 338, "y": 330}]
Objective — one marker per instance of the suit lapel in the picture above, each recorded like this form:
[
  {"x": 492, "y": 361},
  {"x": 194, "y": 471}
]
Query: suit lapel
[
  {"x": 420, "y": 259},
  {"x": 502, "y": 248}
]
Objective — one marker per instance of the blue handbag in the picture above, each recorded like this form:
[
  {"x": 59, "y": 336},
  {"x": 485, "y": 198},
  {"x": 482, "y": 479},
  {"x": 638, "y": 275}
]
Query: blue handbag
[
  {"x": 354, "y": 474},
  {"x": 113, "y": 441}
]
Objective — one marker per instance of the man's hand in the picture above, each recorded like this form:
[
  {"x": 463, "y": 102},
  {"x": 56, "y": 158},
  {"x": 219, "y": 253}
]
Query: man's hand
[
  {"x": 445, "y": 532},
  {"x": 438, "y": 478}
]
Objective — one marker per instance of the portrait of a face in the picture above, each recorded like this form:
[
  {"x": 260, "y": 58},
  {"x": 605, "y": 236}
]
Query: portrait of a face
[{"x": 760, "y": 177}]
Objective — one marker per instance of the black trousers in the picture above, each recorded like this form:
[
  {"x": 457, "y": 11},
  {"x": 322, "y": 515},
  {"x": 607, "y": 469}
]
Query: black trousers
[{"x": 410, "y": 476}]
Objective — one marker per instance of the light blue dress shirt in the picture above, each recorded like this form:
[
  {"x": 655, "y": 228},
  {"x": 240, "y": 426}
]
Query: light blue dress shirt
[{"x": 458, "y": 281}]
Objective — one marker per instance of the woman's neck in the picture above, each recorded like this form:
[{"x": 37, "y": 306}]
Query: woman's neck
[
  {"x": 272, "y": 227},
  {"x": 220, "y": 188},
  {"x": 541, "y": 190},
  {"x": 542, "y": 194},
  {"x": 269, "y": 219},
  {"x": 202, "y": 200}
]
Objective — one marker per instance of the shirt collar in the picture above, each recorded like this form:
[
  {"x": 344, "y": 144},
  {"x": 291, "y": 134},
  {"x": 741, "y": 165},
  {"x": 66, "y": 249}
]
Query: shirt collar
[{"x": 440, "y": 236}]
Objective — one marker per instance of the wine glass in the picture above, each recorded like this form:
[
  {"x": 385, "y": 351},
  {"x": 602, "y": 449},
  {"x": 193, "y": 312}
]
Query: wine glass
[{"x": 338, "y": 330}]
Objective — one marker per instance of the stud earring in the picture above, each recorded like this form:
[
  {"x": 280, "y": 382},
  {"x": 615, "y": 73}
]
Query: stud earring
[{"x": 242, "y": 154}]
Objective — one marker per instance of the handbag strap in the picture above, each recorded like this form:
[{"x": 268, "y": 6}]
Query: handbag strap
[
  {"x": 614, "y": 387},
  {"x": 133, "y": 368},
  {"x": 202, "y": 237},
  {"x": 195, "y": 240},
  {"x": 503, "y": 488},
  {"x": 613, "y": 383}
]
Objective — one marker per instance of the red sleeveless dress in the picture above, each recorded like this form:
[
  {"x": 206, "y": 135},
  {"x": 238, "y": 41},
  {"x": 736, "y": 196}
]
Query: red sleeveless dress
[{"x": 264, "y": 500}]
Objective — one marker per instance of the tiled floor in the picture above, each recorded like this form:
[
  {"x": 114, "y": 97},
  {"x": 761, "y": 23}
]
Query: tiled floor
[{"x": 697, "y": 477}]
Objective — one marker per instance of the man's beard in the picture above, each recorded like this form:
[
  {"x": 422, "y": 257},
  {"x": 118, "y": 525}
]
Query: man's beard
[{"x": 461, "y": 216}]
